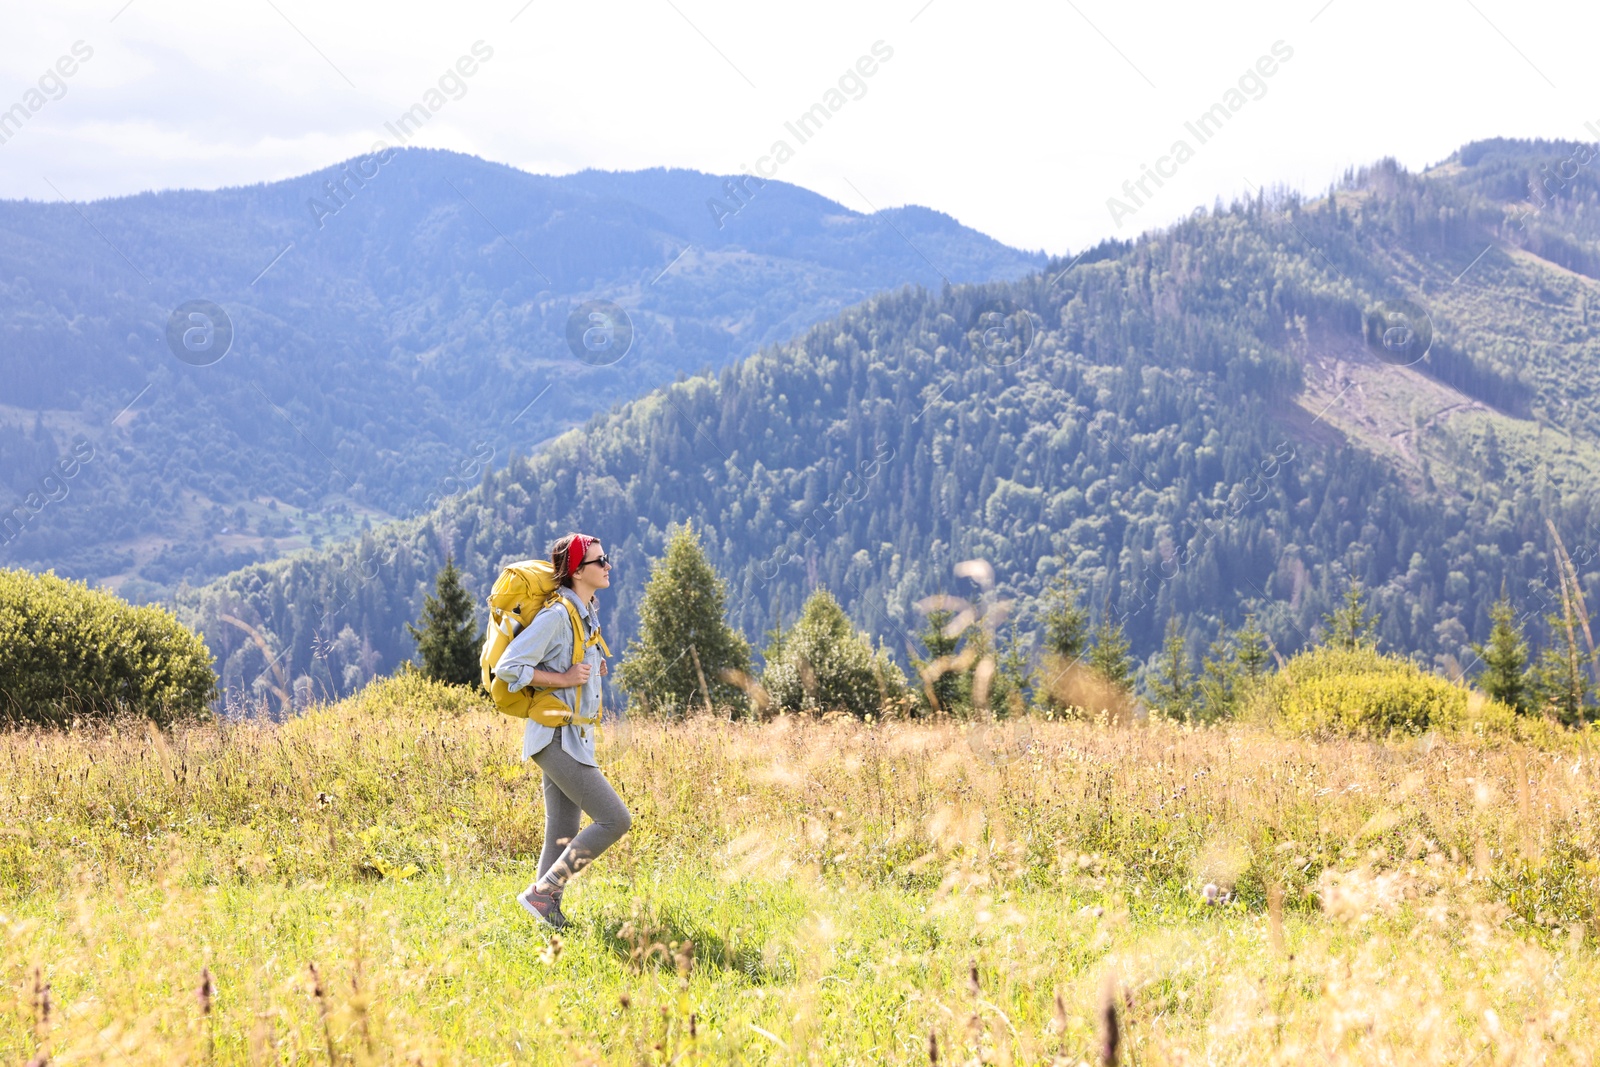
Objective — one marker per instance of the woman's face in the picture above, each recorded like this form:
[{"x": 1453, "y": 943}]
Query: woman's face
[{"x": 595, "y": 574}]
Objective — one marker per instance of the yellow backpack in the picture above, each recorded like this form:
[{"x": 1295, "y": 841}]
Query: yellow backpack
[{"x": 522, "y": 591}]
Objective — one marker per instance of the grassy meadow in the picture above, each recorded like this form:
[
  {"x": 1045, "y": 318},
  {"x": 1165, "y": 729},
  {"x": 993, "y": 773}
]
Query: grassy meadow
[{"x": 337, "y": 889}]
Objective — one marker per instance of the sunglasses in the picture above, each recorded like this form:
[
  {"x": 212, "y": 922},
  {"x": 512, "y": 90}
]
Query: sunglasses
[{"x": 602, "y": 560}]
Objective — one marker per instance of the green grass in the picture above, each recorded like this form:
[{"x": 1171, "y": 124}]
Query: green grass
[
  {"x": 452, "y": 971},
  {"x": 800, "y": 891}
]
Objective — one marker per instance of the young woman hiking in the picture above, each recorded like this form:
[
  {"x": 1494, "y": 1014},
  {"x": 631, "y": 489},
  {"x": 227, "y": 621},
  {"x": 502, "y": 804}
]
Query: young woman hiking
[{"x": 540, "y": 656}]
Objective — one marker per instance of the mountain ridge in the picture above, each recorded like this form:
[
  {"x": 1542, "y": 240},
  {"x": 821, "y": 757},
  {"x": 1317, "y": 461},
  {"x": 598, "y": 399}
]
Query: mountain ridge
[
  {"x": 1205, "y": 424},
  {"x": 382, "y": 341}
]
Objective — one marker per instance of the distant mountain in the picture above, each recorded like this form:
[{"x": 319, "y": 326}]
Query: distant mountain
[
  {"x": 392, "y": 321},
  {"x": 1390, "y": 383}
]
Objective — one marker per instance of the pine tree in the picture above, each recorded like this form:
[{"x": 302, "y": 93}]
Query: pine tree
[
  {"x": 685, "y": 651},
  {"x": 1494, "y": 463},
  {"x": 1505, "y": 658},
  {"x": 1174, "y": 686},
  {"x": 1560, "y": 683},
  {"x": 1221, "y": 677},
  {"x": 1252, "y": 654},
  {"x": 1066, "y": 622},
  {"x": 1002, "y": 687},
  {"x": 944, "y": 692},
  {"x": 1013, "y": 678},
  {"x": 975, "y": 648},
  {"x": 1109, "y": 656},
  {"x": 822, "y": 663},
  {"x": 1351, "y": 626},
  {"x": 448, "y": 637},
  {"x": 1066, "y": 640}
]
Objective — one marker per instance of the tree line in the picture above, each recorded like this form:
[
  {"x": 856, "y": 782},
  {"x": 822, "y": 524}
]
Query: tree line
[{"x": 687, "y": 657}]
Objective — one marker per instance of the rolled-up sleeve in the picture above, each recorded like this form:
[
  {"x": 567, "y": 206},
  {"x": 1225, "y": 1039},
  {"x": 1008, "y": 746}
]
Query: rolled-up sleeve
[{"x": 535, "y": 648}]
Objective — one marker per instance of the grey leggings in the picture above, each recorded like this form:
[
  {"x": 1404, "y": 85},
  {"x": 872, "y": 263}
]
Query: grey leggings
[{"x": 571, "y": 787}]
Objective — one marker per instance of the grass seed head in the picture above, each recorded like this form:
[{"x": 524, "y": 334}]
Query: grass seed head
[
  {"x": 207, "y": 992},
  {"x": 1110, "y": 1029}
]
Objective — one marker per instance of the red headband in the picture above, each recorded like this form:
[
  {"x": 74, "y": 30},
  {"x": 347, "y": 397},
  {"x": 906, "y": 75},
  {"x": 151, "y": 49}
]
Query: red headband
[{"x": 574, "y": 561}]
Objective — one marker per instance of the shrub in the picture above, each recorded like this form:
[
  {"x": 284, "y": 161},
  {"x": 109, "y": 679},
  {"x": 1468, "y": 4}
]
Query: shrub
[
  {"x": 822, "y": 664},
  {"x": 67, "y": 650},
  {"x": 1365, "y": 693}
]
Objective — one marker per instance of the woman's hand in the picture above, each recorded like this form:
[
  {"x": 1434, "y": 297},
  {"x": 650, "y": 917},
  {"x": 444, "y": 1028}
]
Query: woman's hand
[
  {"x": 605, "y": 668},
  {"x": 576, "y": 675}
]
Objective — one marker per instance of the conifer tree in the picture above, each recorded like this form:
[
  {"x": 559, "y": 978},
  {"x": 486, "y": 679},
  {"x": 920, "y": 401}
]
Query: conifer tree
[
  {"x": 1013, "y": 679},
  {"x": 1065, "y": 638},
  {"x": 1066, "y": 622},
  {"x": 1351, "y": 626},
  {"x": 942, "y": 693},
  {"x": 1109, "y": 656},
  {"x": 685, "y": 649},
  {"x": 1221, "y": 675},
  {"x": 1252, "y": 654},
  {"x": 822, "y": 664},
  {"x": 1559, "y": 680},
  {"x": 1494, "y": 463},
  {"x": 1174, "y": 686},
  {"x": 975, "y": 647},
  {"x": 1505, "y": 658},
  {"x": 448, "y": 638}
]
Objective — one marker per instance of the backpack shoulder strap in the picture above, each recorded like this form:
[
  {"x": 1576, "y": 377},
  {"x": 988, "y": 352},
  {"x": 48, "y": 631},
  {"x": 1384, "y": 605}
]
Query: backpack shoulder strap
[{"x": 580, "y": 643}]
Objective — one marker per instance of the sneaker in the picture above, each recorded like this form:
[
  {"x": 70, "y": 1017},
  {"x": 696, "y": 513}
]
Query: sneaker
[{"x": 543, "y": 906}]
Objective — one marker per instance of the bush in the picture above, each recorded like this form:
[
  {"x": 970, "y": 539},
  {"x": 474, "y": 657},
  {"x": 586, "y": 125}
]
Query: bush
[
  {"x": 1364, "y": 693},
  {"x": 67, "y": 650},
  {"x": 822, "y": 664}
]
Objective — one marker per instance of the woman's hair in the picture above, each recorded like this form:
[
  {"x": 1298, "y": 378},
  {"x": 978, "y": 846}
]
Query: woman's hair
[{"x": 558, "y": 556}]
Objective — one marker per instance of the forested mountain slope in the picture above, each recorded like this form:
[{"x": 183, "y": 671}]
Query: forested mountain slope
[
  {"x": 1242, "y": 411},
  {"x": 392, "y": 318}
]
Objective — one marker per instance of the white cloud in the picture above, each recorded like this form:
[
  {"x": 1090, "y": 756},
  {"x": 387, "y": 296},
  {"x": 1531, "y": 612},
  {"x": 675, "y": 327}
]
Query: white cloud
[{"x": 1018, "y": 119}]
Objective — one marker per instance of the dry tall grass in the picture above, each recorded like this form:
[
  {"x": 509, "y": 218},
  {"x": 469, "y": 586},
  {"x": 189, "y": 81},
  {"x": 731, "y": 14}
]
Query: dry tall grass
[{"x": 337, "y": 890}]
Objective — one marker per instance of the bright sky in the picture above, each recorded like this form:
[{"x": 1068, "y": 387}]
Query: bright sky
[{"x": 1019, "y": 119}]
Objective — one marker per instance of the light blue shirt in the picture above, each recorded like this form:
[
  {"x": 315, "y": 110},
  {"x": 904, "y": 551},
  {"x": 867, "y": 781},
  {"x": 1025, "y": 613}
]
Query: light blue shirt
[{"x": 546, "y": 645}]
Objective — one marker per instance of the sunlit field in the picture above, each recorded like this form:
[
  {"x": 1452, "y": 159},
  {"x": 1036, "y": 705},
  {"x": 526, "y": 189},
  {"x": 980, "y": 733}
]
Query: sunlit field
[{"x": 338, "y": 889}]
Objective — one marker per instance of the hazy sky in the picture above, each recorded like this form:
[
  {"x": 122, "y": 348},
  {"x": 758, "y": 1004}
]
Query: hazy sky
[{"x": 1018, "y": 119}]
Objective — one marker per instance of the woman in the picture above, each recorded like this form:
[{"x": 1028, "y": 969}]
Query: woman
[{"x": 541, "y": 656}]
